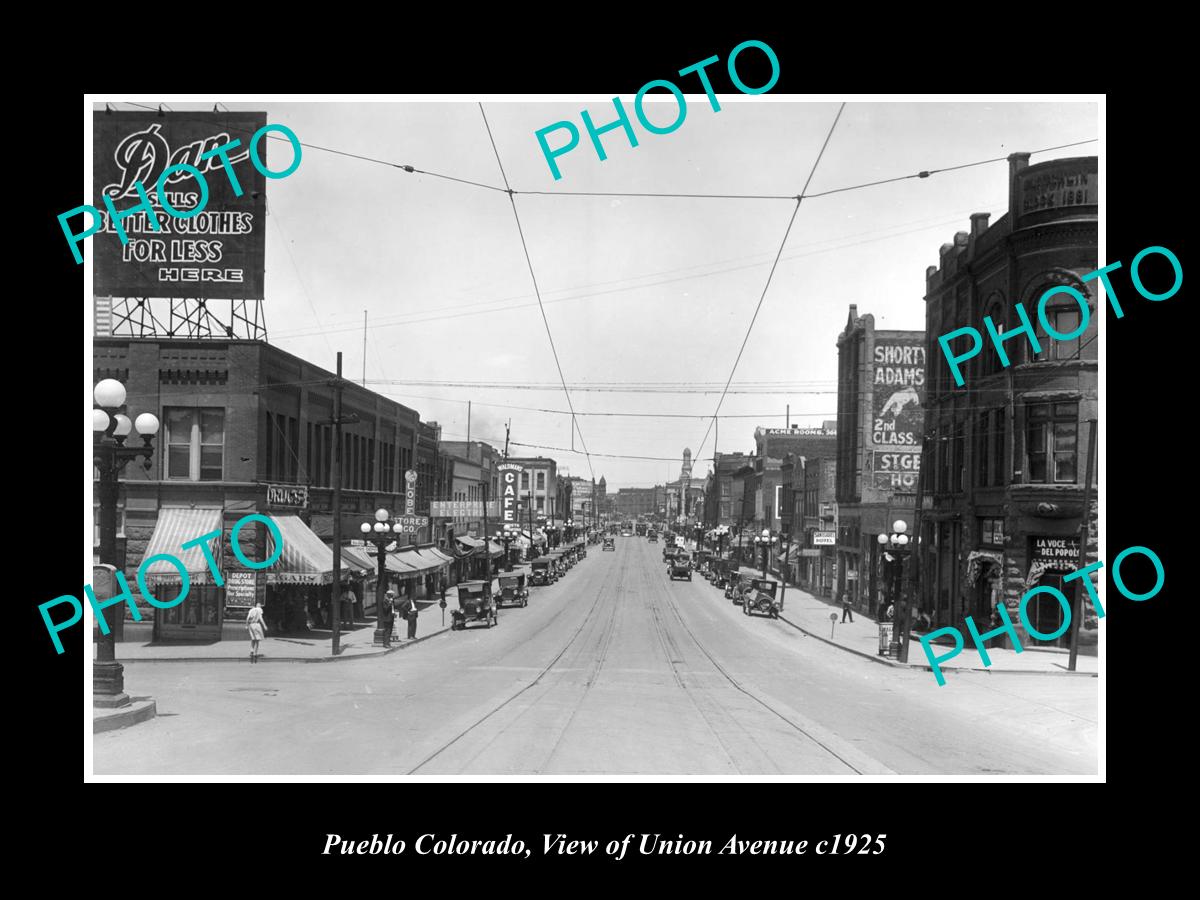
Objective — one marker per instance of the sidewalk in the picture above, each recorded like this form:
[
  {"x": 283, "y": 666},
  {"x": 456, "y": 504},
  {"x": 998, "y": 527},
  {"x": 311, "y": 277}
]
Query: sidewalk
[
  {"x": 812, "y": 616},
  {"x": 356, "y": 643}
]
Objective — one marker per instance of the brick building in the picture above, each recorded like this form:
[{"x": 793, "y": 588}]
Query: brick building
[
  {"x": 881, "y": 383},
  {"x": 246, "y": 428},
  {"x": 1007, "y": 451}
]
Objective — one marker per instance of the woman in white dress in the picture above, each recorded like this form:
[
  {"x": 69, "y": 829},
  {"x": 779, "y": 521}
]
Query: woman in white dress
[{"x": 257, "y": 626}]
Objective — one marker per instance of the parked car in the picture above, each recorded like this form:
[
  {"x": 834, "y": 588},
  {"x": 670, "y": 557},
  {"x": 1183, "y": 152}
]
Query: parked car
[
  {"x": 762, "y": 599},
  {"x": 476, "y": 603},
  {"x": 513, "y": 590},
  {"x": 610, "y": 544},
  {"x": 652, "y": 537}
]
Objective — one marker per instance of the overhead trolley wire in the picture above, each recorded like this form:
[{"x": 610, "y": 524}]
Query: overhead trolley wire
[
  {"x": 770, "y": 275},
  {"x": 537, "y": 291}
]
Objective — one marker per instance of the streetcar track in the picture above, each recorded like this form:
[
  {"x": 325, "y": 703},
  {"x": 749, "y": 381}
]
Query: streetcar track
[
  {"x": 671, "y": 650},
  {"x": 753, "y": 696},
  {"x": 537, "y": 680}
]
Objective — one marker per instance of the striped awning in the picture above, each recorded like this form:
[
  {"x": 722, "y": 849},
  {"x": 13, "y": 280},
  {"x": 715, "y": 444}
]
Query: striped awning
[
  {"x": 304, "y": 559},
  {"x": 469, "y": 542},
  {"x": 399, "y": 562},
  {"x": 435, "y": 553},
  {"x": 357, "y": 558},
  {"x": 177, "y": 526}
]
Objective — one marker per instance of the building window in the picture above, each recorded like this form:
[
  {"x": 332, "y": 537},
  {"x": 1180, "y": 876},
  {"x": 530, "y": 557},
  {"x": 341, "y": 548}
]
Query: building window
[
  {"x": 1000, "y": 476},
  {"x": 541, "y": 481},
  {"x": 1051, "y": 438},
  {"x": 195, "y": 444},
  {"x": 524, "y": 481},
  {"x": 983, "y": 445},
  {"x": 541, "y": 504},
  {"x": 991, "y": 532},
  {"x": 1063, "y": 320}
]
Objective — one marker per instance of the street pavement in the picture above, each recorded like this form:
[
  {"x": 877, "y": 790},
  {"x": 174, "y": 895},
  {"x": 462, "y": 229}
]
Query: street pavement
[{"x": 613, "y": 670}]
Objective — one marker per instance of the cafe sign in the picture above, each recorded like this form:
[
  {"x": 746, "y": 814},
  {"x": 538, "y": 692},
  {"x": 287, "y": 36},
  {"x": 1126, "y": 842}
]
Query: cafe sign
[
  {"x": 510, "y": 513},
  {"x": 292, "y": 495}
]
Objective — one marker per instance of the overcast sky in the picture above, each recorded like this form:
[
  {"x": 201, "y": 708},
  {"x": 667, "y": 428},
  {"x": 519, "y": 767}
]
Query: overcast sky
[{"x": 636, "y": 289}]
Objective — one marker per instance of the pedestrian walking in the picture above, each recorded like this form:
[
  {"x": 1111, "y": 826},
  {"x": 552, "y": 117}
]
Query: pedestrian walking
[
  {"x": 847, "y": 608},
  {"x": 997, "y": 621},
  {"x": 257, "y": 626},
  {"x": 408, "y": 613},
  {"x": 347, "y": 606},
  {"x": 387, "y": 617}
]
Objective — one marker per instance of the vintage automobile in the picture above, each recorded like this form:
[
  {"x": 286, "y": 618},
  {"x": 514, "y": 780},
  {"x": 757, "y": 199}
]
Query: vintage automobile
[
  {"x": 610, "y": 544},
  {"x": 652, "y": 537},
  {"x": 558, "y": 562},
  {"x": 582, "y": 546},
  {"x": 669, "y": 551},
  {"x": 739, "y": 583},
  {"x": 681, "y": 566},
  {"x": 703, "y": 561},
  {"x": 542, "y": 571},
  {"x": 476, "y": 603},
  {"x": 513, "y": 590},
  {"x": 762, "y": 598}
]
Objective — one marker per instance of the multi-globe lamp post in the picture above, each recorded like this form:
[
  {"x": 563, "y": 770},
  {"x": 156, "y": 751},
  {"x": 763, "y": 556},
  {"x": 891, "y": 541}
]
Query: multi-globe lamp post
[
  {"x": 896, "y": 548},
  {"x": 110, "y": 428},
  {"x": 764, "y": 542},
  {"x": 381, "y": 532}
]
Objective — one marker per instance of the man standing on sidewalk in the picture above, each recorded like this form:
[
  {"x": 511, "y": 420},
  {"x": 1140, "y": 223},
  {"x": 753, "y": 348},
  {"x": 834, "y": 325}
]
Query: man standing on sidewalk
[{"x": 847, "y": 609}]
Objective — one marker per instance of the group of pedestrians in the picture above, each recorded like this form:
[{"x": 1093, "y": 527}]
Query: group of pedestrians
[{"x": 405, "y": 608}]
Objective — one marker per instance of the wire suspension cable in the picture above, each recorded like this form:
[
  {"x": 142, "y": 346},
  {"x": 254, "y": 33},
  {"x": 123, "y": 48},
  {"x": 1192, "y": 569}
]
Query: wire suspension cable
[
  {"x": 537, "y": 292},
  {"x": 770, "y": 275}
]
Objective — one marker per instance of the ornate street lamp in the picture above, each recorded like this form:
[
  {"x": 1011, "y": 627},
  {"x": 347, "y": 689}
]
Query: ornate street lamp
[
  {"x": 764, "y": 541},
  {"x": 896, "y": 549},
  {"x": 110, "y": 428},
  {"x": 502, "y": 536},
  {"x": 381, "y": 533}
]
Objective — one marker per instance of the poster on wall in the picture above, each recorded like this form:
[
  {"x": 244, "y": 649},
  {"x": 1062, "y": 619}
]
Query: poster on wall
[
  {"x": 898, "y": 385},
  {"x": 215, "y": 253}
]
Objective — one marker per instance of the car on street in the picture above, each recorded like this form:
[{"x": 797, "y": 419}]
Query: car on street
[
  {"x": 476, "y": 603},
  {"x": 652, "y": 537},
  {"x": 610, "y": 544},
  {"x": 762, "y": 598},
  {"x": 681, "y": 566}
]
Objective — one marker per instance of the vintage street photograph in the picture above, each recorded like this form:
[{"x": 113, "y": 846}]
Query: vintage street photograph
[{"x": 512, "y": 437}]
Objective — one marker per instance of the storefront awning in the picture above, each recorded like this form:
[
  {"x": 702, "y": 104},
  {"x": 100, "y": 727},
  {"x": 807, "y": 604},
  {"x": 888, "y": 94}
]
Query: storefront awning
[
  {"x": 496, "y": 549},
  {"x": 469, "y": 543},
  {"x": 357, "y": 558},
  {"x": 177, "y": 526},
  {"x": 437, "y": 554},
  {"x": 400, "y": 563},
  {"x": 304, "y": 558}
]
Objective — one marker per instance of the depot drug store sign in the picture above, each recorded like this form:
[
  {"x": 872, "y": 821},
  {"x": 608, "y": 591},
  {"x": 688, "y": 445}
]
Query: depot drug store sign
[{"x": 510, "y": 514}]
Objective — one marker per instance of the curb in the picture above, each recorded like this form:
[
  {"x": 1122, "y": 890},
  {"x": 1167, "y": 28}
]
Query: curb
[
  {"x": 141, "y": 710},
  {"x": 919, "y": 666},
  {"x": 372, "y": 654}
]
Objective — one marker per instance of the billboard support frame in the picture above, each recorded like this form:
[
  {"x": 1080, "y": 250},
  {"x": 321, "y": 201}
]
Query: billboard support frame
[{"x": 187, "y": 318}]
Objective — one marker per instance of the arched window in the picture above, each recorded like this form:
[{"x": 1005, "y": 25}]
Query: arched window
[
  {"x": 995, "y": 309},
  {"x": 1062, "y": 313}
]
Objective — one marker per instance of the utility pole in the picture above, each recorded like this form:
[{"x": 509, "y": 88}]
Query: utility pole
[
  {"x": 468, "y": 422},
  {"x": 507, "y": 426},
  {"x": 788, "y": 417},
  {"x": 1077, "y": 604},
  {"x": 335, "y": 589},
  {"x": 364, "y": 380},
  {"x": 487, "y": 535}
]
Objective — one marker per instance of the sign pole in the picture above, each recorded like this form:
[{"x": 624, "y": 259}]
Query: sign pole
[
  {"x": 335, "y": 596},
  {"x": 1077, "y": 600}
]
